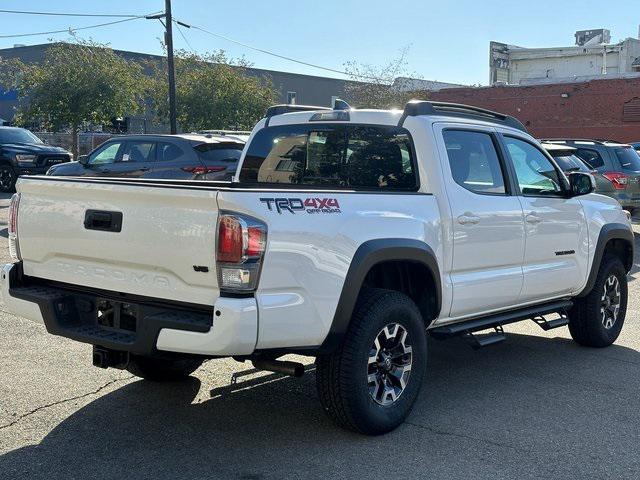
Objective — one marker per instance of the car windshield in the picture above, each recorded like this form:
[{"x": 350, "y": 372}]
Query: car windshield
[
  {"x": 629, "y": 158},
  {"x": 570, "y": 163},
  {"x": 17, "y": 135}
]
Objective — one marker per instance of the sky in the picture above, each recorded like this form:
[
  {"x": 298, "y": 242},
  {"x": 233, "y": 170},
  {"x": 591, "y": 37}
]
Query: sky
[{"x": 447, "y": 40}]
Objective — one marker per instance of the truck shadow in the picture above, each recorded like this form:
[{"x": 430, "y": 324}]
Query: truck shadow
[{"x": 531, "y": 407}]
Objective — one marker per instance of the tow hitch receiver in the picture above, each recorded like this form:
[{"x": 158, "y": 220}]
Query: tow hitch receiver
[{"x": 105, "y": 358}]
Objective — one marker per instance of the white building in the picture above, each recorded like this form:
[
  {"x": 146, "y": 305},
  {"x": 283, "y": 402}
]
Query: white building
[{"x": 592, "y": 57}]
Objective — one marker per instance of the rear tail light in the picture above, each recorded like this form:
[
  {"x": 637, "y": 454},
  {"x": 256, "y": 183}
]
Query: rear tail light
[
  {"x": 12, "y": 228},
  {"x": 618, "y": 179},
  {"x": 240, "y": 249}
]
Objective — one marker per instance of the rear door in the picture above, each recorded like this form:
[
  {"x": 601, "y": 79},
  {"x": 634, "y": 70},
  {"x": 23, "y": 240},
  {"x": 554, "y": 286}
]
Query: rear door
[
  {"x": 556, "y": 252},
  {"x": 136, "y": 159},
  {"x": 487, "y": 222}
]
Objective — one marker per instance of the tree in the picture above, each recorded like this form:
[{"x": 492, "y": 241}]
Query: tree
[
  {"x": 375, "y": 86},
  {"x": 77, "y": 83},
  {"x": 212, "y": 92}
]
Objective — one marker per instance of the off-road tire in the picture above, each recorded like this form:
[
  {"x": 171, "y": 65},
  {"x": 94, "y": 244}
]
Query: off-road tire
[
  {"x": 161, "y": 369},
  {"x": 586, "y": 318},
  {"x": 8, "y": 178},
  {"x": 342, "y": 376}
]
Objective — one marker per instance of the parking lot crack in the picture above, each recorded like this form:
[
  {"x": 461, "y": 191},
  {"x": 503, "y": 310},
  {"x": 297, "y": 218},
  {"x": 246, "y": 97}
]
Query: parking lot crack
[
  {"x": 467, "y": 437},
  {"x": 64, "y": 400}
]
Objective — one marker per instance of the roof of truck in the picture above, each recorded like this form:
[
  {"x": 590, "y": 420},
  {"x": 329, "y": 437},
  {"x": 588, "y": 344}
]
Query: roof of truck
[{"x": 289, "y": 114}]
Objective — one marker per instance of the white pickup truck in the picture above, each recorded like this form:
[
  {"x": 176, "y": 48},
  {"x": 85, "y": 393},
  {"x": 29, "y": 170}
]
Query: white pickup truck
[{"x": 346, "y": 235}]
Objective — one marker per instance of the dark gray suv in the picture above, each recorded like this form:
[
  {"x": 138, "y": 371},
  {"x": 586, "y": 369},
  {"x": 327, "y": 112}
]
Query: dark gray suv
[
  {"x": 184, "y": 157},
  {"x": 617, "y": 163}
]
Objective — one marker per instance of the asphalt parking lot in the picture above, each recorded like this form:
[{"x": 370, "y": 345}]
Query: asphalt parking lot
[{"x": 536, "y": 406}]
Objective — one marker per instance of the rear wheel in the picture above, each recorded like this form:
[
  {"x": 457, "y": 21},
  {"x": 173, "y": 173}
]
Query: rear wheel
[
  {"x": 162, "y": 369},
  {"x": 370, "y": 383},
  {"x": 8, "y": 179},
  {"x": 597, "y": 319}
]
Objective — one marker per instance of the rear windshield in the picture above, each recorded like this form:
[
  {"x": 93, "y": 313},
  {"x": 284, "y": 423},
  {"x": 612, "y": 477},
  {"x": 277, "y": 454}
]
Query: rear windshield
[
  {"x": 629, "y": 159},
  {"x": 570, "y": 163},
  {"x": 330, "y": 155},
  {"x": 219, "y": 152}
]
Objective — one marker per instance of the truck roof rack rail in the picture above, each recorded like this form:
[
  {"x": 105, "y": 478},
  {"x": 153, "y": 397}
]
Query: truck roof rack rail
[
  {"x": 597, "y": 141},
  {"x": 424, "y": 107},
  {"x": 288, "y": 108}
]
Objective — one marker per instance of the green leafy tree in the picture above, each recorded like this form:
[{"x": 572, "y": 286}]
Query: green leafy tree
[
  {"x": 375, "y": 86},
  {"x": 212, "y": 92},
  {"x": 77, "y": 83}
]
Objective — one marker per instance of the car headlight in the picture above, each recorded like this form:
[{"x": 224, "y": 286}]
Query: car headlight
[{"x": 26, "y": 159}]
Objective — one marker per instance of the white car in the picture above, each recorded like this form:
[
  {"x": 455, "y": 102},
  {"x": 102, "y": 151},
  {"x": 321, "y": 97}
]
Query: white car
[{"x": 347, "y": 235}]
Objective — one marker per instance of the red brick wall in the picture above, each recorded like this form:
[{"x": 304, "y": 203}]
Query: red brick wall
[{"x": 591, "y": 110}]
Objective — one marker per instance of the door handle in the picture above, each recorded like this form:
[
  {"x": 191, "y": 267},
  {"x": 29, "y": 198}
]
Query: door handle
[
  {"x": 103, "y": 220},
  {"x": 468, "y": 219},
  {"x": 533, "y": 219},
  {"x": 145, "y": 169}
]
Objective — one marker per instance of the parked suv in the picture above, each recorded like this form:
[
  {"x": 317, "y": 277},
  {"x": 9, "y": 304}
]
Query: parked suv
[
  {"x": 181, "y": 157},
  {"x": 347, "y": 235},
  {"x": 23, "y": 153},
  {"x": 566, "y": 158},
  {"x": 619, "y": 163}
]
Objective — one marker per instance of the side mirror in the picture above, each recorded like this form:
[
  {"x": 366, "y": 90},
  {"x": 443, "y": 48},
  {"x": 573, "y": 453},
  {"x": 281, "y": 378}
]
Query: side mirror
[
  {"x": 83, "y": 159},
  {"x": 581, "y": 183}
]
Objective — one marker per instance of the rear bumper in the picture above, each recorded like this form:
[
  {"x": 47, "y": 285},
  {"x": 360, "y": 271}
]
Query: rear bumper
[
  {"x": 627, "y": 200},
  {"x": 132, "y": 324}
]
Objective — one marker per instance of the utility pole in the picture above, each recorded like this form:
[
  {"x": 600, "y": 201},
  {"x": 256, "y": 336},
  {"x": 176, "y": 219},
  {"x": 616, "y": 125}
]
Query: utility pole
[{"x": 168, "y": 40}]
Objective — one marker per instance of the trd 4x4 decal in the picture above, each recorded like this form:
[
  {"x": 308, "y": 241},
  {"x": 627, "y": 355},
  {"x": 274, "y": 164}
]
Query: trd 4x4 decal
[{"x": 310, "y": 205}]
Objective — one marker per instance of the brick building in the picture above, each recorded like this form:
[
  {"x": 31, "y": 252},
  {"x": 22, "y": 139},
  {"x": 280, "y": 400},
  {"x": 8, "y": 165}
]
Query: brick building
[{"x": 603, "y": 109}]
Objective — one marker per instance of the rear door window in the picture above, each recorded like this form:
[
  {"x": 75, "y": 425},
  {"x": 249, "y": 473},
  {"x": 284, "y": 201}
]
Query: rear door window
[
  {"x": 474, "y": 161},
  {"x": 591, "y": 157},
  {"x": 334, "y": 156},
  {"x": 168, "y": 152},
  {"x": 138, "y": 152}
]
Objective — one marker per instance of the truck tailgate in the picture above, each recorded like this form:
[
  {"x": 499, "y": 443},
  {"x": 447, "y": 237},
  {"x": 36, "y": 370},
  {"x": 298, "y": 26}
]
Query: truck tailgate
[{"x": 165, "y": 247}]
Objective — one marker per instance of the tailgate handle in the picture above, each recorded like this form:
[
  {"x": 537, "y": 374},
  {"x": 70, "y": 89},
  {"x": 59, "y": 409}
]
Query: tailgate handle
[{"x": 103, "y": 220}]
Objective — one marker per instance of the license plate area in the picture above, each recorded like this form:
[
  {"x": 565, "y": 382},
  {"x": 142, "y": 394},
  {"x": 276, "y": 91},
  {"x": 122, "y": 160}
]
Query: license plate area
[{"x": 117, "y": 316}]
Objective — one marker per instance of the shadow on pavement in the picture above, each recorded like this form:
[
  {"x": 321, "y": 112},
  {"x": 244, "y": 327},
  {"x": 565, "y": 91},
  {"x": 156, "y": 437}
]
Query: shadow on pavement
[{"x": 532, "y": 407}]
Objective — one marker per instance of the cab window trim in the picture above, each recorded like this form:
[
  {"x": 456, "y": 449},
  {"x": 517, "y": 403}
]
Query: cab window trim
[{"x": 506, "y": 173}]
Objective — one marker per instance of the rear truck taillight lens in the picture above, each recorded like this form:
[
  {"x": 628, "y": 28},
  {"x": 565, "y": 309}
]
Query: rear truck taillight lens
[
  {"x": 618, "y": 179},
  {"x": 12, "y": 228},
  {"x": 241, "y": 244}
]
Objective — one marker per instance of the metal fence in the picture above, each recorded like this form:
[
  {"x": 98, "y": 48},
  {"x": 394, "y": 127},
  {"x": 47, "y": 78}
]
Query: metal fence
[{"x": 86, "y": 141}]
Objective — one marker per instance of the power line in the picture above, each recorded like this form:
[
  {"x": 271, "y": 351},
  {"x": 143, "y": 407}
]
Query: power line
[
  {"x": 183, "y": 36},
  {"x": 284, "y": 57},
  {"x": 72, "y": 29},
  {"x": 64, "y": 14}
]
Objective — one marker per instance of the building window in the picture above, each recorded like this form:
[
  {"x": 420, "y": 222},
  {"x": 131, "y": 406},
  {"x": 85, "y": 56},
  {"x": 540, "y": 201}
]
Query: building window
[{"x": 291, "y": 98}]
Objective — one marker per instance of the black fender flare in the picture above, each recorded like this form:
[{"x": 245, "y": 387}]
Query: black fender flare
[
  {"x": 369, "y": 254},
  {"x": 610, "y": 231}
]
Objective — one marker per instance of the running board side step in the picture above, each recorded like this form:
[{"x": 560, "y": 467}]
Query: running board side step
[{"x": 497, "y": 320}]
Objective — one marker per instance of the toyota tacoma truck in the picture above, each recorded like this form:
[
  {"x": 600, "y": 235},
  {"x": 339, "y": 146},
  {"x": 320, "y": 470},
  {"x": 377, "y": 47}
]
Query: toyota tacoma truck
[{"x": 346, "y": 235}]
